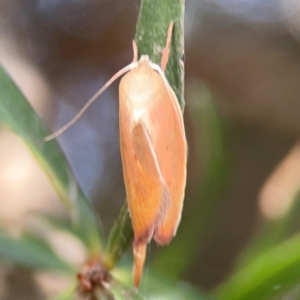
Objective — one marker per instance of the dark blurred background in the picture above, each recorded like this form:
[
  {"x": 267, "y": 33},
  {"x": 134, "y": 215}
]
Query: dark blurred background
[{"x": 247, "y": 52}]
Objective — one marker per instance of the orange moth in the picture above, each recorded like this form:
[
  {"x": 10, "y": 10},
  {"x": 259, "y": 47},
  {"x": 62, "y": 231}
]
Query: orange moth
[{"x": 153, "y": 150}]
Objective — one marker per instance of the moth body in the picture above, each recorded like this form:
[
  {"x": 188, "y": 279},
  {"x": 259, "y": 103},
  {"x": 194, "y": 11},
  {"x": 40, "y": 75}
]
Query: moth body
[{"x": 154, "y": 154}]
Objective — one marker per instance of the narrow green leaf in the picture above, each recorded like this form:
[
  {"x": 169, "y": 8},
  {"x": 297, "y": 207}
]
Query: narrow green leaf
[
  {"x": 18, "y": 115},
  {"x": 88, "y": 227},
  {"x": 269, "y": 274},
  {"x": 151, "y": 33},
  {"x": 31, "y": 252},
  {"x": 120, "y": 238},
  {"x": 63, "y": 224}
]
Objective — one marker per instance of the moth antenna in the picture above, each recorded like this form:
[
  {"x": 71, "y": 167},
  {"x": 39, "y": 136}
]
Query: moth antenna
[
  {"x": 91, "y": 100},
  {"x": 135, "y": 51},
  {"x": 166, "y": 51}
]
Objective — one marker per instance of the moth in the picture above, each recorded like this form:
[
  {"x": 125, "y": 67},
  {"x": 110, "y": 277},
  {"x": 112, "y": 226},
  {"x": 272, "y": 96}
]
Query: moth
[{"x": 153, "y": 151}]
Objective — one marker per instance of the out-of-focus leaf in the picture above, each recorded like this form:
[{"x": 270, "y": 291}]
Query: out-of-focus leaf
[
  {"x": 18, "y": 115},
  {"x": 156, "y": 286},
  {"x": 280, "y": 203},
  {"x": 120, "y": 238},
  {"x": 59, "y": 223},
  {"x": 28, "y": 251},
  {"x": 66, "y": 225},
  {"x": 270, "y": 234},
  {"x": 209, "y": 142},
  {"x": 269, "y": 274},
  {"x": 64, "y": 296},
  {"x": 67, "y": 295},
  {"x": 159, "y": 287},
  {"x": 123, "y": 292}
]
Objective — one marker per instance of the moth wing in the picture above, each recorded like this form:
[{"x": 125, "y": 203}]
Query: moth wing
[
  {"x": 145, "y": 187},
  {"x": 171, "y": 150}
]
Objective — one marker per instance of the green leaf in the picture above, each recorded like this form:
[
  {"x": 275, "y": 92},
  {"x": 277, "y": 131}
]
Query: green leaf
[
  {"x": 159, "y": 287},
  {"x": 123, "y": 292},
  {"x": 120, "y": 238},
  {"x": 151, "y": 34},
  {"x": 18, "y": 115},
  {"x": 156, "y": 285},
  {"x": 267, "y": 275},
  {"x": 115, "y": 290},
  {"x": 31, "y": 252},
  {"x": 65, "y": 225}
]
